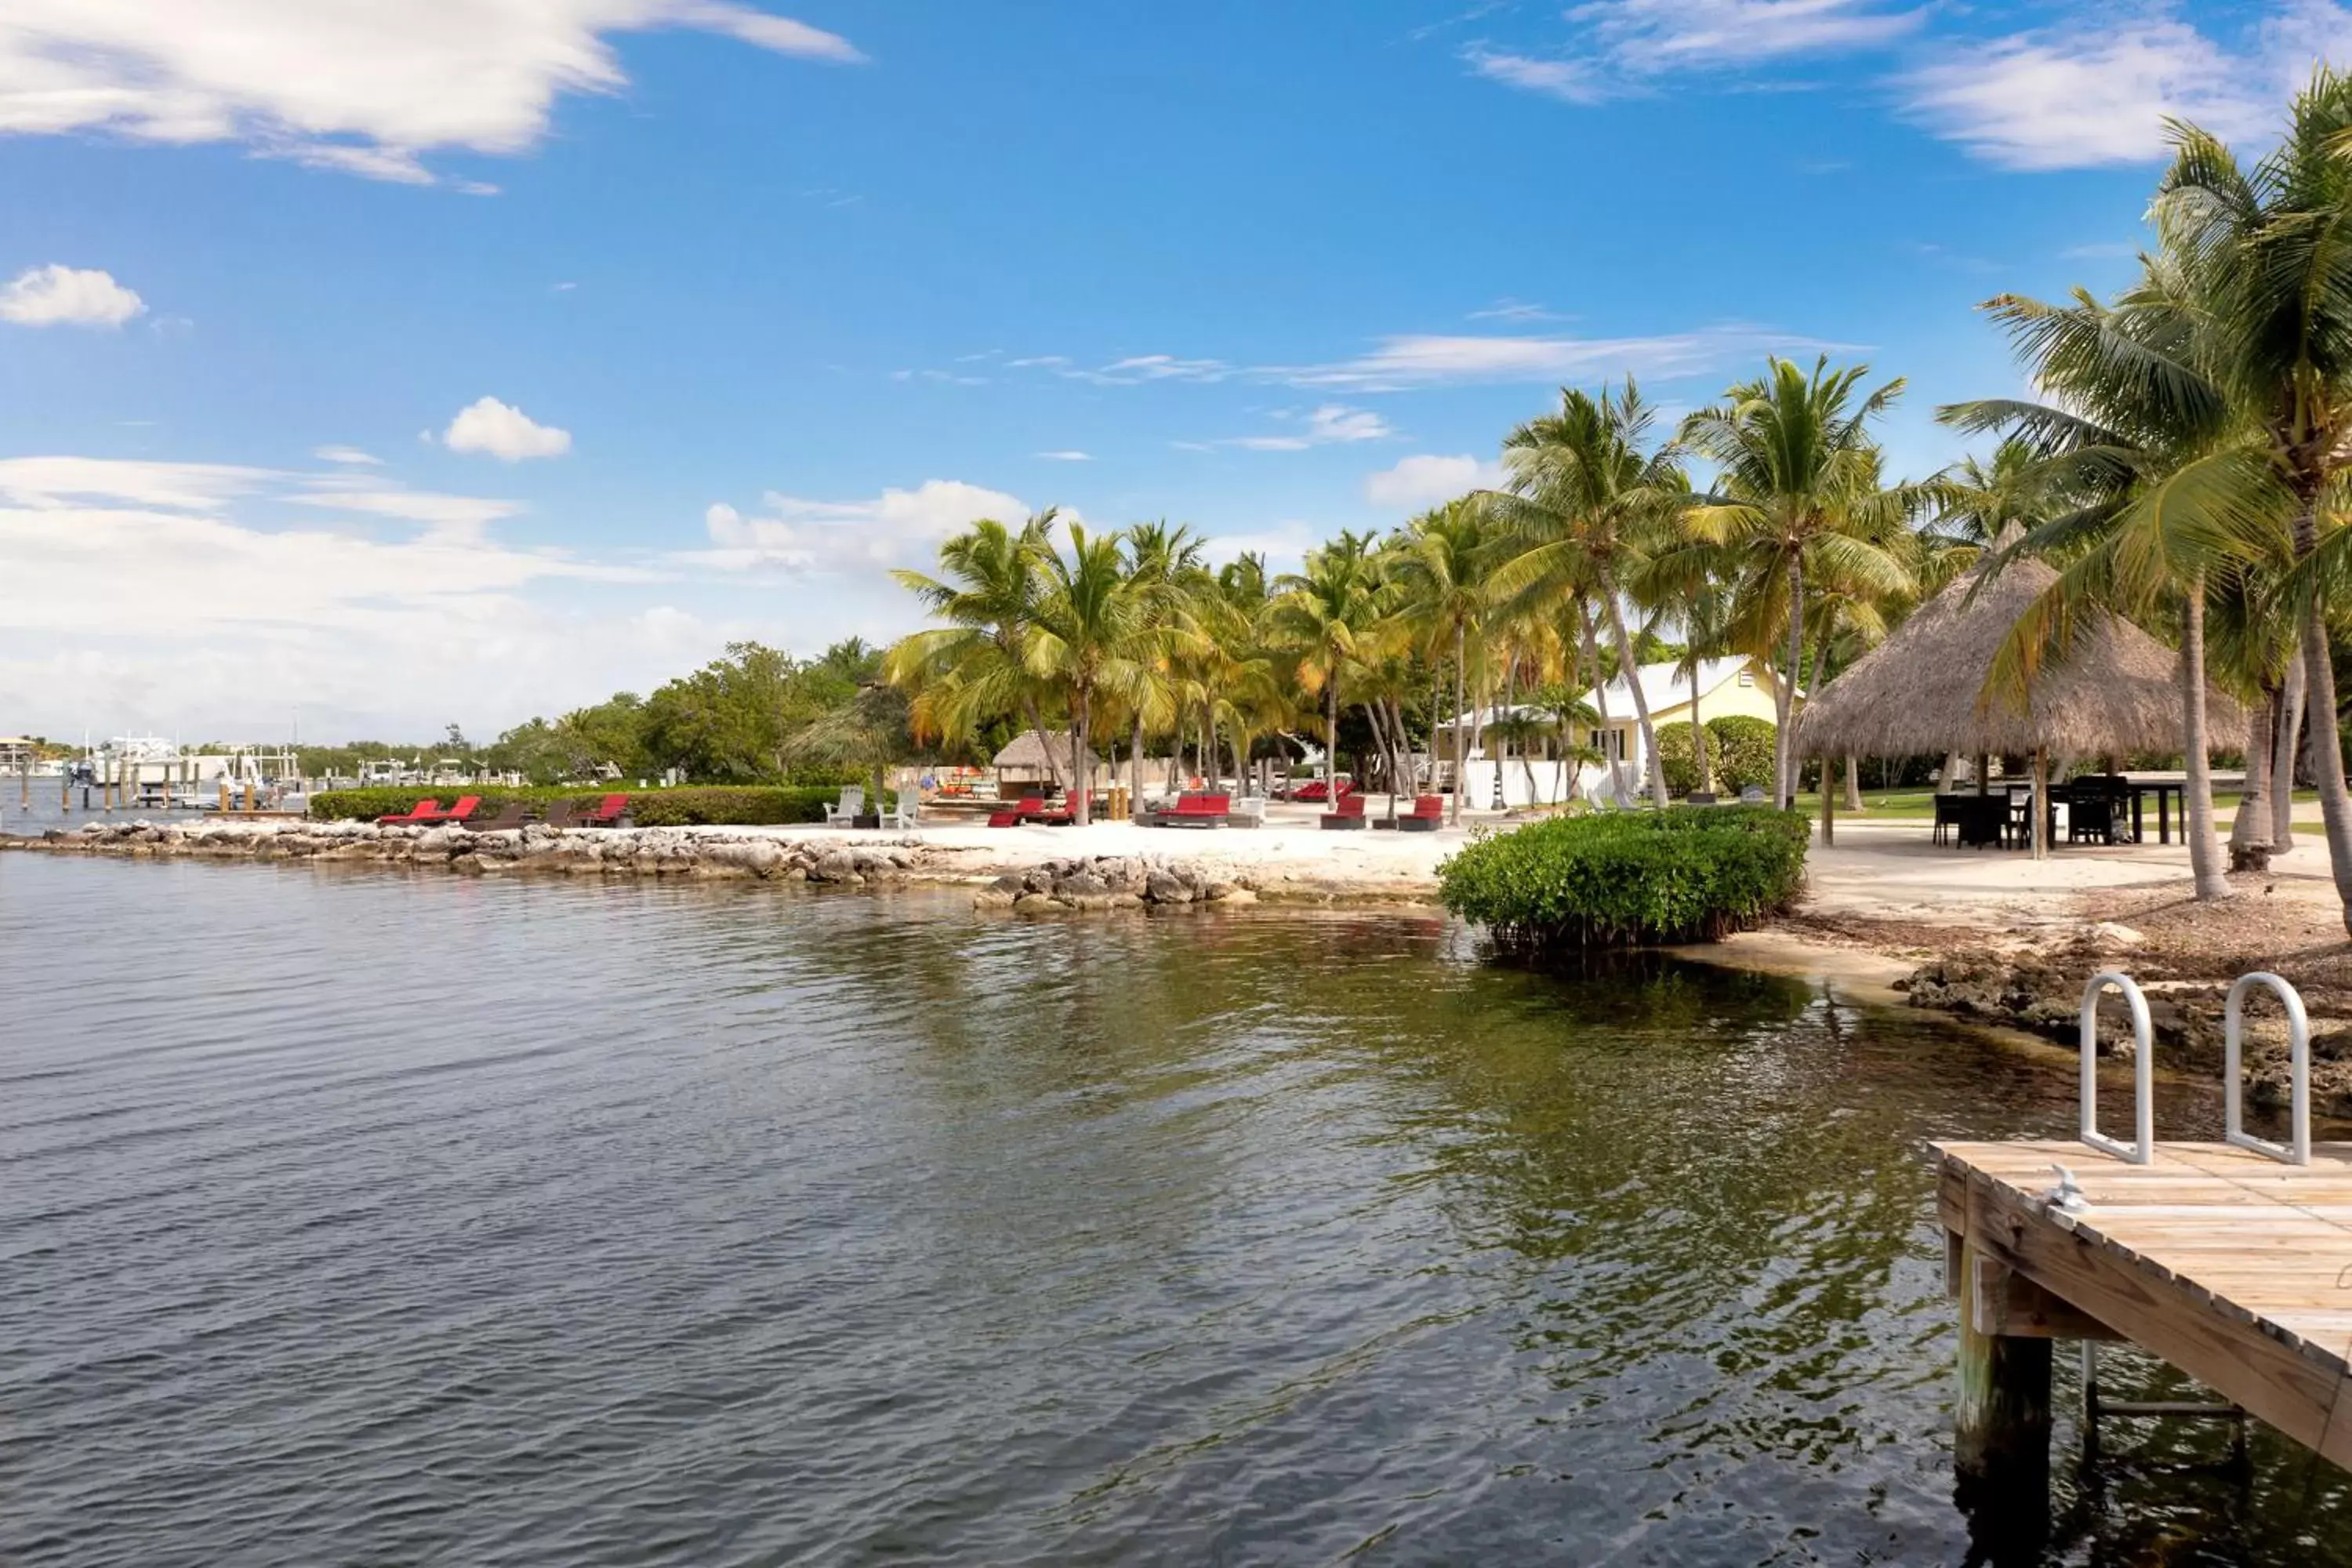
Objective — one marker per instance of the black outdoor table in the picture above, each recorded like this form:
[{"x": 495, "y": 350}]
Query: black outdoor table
[{"x": 2164, "y": 789}]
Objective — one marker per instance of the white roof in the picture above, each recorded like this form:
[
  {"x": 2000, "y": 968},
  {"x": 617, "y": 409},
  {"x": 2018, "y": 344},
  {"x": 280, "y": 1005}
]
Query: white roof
[{"x": 1662, "y": 686}]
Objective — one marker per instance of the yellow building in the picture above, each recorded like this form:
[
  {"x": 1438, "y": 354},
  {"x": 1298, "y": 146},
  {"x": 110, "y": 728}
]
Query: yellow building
[{"x": 1744, "y": 687}]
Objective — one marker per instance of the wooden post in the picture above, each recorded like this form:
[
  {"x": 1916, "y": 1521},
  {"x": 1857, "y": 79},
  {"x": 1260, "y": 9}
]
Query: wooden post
[
  {"x": 1984, "y": 770},
  {"x": 2041, "y": 805},
  {"x": 2000, "y": 1421},
  {"x": 1829, "y": 803}
]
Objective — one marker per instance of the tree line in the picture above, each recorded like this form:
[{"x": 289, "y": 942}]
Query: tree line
[{"x": 2183, "y": 465}]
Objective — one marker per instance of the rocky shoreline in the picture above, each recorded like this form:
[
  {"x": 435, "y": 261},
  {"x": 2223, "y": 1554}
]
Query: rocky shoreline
[{"x": 1087, "y": 883}]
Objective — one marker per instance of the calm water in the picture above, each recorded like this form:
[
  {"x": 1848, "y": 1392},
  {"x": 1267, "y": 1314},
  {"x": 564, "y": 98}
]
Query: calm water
[{"x": 350, "y": 1217}]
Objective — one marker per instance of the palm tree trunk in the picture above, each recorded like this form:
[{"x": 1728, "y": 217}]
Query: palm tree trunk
[
  {"x": 1082, "y": 792},
  {"x": 1331, "y": 739},
  {"x": 1784, "y": 785},
  {"x": 2204, "y": 848},
  {"x": 1037, "y": 724},
  {"x": 1403, "y": 741},
  {"x": 1853, "y": 783},
  {"x": 1698, "y": 738},
  {"x": 2249, "y": 834},
  {"x": 2319, "y": 707},
  {"x": 1948, "y": 778},
  {"x": 1460, "y": 709},
  {"x": 1135, "y": 763},
  {"x": 1600, "y": 705},
  {"x": 1634, "y": 678},
  {"x": 2286, "y": 735}
]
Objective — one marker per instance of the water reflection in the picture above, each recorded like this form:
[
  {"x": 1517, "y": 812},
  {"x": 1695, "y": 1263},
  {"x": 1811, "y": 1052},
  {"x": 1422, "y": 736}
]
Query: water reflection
[{"x": 370, "y": 1216}]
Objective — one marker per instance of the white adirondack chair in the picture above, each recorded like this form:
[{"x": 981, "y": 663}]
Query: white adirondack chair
[{"x": 853, "y": 801}]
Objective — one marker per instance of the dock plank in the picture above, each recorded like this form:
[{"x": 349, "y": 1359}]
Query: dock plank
[{"x": 2235, "y": 1268}]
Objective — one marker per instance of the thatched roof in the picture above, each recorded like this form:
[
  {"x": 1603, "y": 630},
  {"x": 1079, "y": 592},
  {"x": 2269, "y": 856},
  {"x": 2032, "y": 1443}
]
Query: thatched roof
[
  {"x": 1028, "y": 751},
  {"x": 1922, "y": 690}
]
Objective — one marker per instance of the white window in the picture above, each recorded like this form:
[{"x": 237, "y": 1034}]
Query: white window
[{"x": 1746, "y": 677}]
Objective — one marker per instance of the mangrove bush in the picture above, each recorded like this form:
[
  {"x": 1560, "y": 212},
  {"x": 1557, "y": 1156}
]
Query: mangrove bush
[{"x": 1623, "y": 879}]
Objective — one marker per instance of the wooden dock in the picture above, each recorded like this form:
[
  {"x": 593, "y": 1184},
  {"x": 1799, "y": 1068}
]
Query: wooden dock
[{"x": 2234, "y": 1266}]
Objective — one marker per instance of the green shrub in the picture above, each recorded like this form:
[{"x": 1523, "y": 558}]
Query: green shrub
[
  {"x": 1678, "y": 757},
  {"x": 727, "y": 804},
  {"x": 367, "y": 805},
  {"x": 1739, "y": 747},
  {"x": 734, "y": 806},
  {"x": 1618, "y": 878}
]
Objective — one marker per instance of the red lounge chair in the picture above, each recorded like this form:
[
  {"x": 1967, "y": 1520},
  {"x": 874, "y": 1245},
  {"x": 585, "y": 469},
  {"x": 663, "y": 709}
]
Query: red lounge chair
[
  {"x": 1020, "y": 811},
  {"x": 607, "y": 813},
  {"x": 1199, "y": 809},
  {"x": 1428, "y": 811},
  {"x": 427, "y": 811},
  {"x": 1347, "y": 814}
]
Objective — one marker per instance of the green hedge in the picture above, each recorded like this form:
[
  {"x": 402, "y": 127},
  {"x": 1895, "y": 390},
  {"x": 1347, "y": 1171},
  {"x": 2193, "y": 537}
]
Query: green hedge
[
  {"x": 367, "y": 805},
  {"x": 1690, "y": 873},
  {"x": 729, "y": 805},
  {"x": 734, "y": 805}
]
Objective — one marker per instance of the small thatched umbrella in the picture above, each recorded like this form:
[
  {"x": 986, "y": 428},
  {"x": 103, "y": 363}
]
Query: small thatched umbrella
[
  {"x": 1923, "y": 690},
  {"x": 1026, "y": 758}
]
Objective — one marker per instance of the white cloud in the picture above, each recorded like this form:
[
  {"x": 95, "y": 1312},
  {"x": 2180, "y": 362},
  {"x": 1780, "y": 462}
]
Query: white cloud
[
  {"x": 1626, "y": 43},
  {"x": 1426, "y": 480},
  {"x": 456, "y": 516},
  {"x": 1453, "y": 359},
  {"x": 2078, "y": 97},
  {"x": 345, "y": 455},
  {"x": 51, "y": 483},
  {"x": 1508, "y": 309},
  {"x": 1068, "y": 455},
  {"x": 103, "y": 552},
  {"x": 896, "y": 527},
  {"x": 1665, "y": 35},
  {"x": 366, "y": 88},
  {"x": 1569, "y": 80},
  {"x": 1333, "y": 424},
  {"x": 1135, "y": 370},
  {"x": 66, "y": 296},
  {"x": 503, "y": 431}
]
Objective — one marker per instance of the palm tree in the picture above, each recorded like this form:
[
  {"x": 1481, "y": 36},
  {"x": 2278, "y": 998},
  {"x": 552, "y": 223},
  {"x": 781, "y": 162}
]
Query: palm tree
[
  {"x": 1695, "y": 585},
  {"x": 2172, "y": 490},
  {"x": 1326, "y": 614},
  {"x": 2263, "y": 252},
  {"x": 1093, "y": 634},
  {"x": 1589, "y": 499},
  {"x": 1163, "y": 563},
  {"x": 977, "y": 665},
  {"x": 1797, "y": 492},
  {"x": 1441, "y": 565}
]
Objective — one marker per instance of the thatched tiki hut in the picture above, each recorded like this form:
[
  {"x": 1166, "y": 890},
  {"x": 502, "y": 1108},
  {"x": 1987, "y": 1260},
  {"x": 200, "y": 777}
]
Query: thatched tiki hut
[
  {"x": 1025, "y": 762},
  {"x": 1924, "y": 690}
]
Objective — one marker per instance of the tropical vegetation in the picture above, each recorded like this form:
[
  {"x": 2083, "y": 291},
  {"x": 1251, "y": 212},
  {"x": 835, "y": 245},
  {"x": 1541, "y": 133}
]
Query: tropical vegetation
[{"x": 1623, "y": 879}]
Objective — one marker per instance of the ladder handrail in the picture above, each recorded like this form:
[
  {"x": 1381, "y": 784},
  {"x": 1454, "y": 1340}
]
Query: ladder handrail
[
  {"x": 2141, "y": 1151},
  {"x": 2298, "y": 1035}
]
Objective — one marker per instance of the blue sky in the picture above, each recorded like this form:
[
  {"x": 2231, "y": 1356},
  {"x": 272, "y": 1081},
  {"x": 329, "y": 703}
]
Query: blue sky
[{"x": 663, "y": 322}]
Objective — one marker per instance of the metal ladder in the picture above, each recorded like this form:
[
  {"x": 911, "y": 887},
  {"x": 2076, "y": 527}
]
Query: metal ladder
[{"x": 2141, "y": 1151}]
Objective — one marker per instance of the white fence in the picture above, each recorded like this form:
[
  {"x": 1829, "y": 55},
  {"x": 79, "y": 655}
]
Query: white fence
[{"x": 1491, "y": 785}]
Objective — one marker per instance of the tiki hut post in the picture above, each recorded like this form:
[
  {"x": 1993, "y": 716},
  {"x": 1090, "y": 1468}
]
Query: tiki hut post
[
  {"x": 1829, "y": 805},
  {"x": 2042, "y": 805}
]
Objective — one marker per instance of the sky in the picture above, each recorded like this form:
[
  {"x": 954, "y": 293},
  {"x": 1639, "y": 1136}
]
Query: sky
[{"x": 372, "y": 365}]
